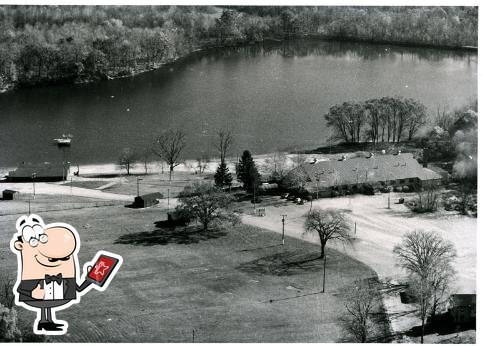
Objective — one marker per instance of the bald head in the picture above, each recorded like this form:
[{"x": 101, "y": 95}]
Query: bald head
[{"x": 49, "y": 252}]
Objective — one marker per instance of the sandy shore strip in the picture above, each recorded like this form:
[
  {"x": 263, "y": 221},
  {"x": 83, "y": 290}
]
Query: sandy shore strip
[{"x": 263, "y": 161}]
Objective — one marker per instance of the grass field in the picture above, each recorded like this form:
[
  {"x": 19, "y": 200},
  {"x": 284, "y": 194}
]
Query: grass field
[{"x": 216, "y": 286}]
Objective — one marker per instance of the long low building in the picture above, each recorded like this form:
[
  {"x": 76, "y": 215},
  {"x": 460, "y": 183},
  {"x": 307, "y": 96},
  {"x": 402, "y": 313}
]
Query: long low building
[
  {"x": 45, "y": 171},
  {"x": 377, "y": 170}
]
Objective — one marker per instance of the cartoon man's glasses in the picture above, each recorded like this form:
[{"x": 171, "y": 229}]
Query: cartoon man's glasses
[
  {"x": 34, "y": 235},
  {"x": 34, "y": 241}
]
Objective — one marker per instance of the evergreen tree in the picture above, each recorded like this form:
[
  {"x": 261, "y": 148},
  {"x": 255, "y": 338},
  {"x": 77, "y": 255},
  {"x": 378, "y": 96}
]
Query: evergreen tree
[
  {"x": 247, "y": 172},
  {"x": 222, "y": 176}
]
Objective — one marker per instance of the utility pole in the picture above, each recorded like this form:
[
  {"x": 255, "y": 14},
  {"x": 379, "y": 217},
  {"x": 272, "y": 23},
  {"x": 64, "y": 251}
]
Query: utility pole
[
  {"x": 29, "y": 206},
  {"x": 34, "y": 175},
  {"x": 317, "y": 183},
  {"x": 168, "y": 200},
  {"x": 355, "y": 227},
  {"x": 254, "y": 200},
  {"x": 283, "y": 228},
  {"x": 323, "y": 279},
  {"x": 71, "y": 185},
  {"x": 137, "y": 183}
]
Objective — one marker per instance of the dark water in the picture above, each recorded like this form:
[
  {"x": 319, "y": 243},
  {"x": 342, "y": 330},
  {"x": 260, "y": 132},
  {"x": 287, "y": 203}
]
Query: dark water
[{"x": 272, "y": 97}]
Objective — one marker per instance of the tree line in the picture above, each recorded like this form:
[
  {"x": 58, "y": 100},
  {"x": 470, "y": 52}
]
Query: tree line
[
  {"x": 436, "y": 25},
  {"x": 46, "y": 44},
  {"x": 387, "y": 119}
]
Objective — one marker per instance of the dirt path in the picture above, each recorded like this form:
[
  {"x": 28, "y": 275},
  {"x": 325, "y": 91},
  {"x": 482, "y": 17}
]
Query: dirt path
[{"x": 55, "y": 189}]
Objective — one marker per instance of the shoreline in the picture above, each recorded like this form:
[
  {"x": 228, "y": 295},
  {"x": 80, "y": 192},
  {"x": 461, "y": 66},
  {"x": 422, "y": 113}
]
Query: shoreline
[
  {"x": 207, "y": 47},
  {"x": 109, "y": 169}
]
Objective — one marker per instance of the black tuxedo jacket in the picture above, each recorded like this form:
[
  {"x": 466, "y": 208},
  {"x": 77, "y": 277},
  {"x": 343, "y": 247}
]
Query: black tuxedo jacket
[{"x": 27, "y": 286}]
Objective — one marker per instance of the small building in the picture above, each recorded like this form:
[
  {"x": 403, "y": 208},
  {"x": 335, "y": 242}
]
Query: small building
[
  {"x": 9, "y": 195},
  {"x": 147, "y": 200},
  {"x": 462, "y": 308},
  {"x": 348, "y": 174},
  {"x": 44, "y": 171}
]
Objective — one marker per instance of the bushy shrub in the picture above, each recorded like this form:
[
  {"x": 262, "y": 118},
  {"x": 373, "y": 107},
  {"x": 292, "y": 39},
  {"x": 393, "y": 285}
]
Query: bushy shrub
[
  {"x": 426, "y": 202},
  {"x": 334, "y": 193},
  {"x": 8, "y": 325},
  {"x": 385, "y": 189},
  {"x": 6, "y": 289},
  {"x": 398, "y": 189},
  {"x": 367, "y": 189},
  {"x": 406, "y": 188}
]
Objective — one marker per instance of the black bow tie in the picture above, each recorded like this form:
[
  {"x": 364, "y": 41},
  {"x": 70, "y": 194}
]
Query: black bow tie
[{"x": 57, "y": 278}]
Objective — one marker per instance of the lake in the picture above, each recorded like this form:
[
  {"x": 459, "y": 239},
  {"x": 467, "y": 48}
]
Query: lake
[{"x": 273, "y": 96}]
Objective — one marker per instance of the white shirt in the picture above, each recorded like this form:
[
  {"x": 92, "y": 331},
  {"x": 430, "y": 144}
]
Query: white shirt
[{"x": 53, "y": 290}]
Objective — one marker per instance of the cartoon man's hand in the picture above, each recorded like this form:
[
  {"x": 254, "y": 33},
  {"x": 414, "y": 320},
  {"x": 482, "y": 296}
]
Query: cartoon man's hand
[{"x": 38, "y": 293}]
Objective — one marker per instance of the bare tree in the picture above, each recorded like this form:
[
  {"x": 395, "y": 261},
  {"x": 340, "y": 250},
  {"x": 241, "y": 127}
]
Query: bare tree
[
  {"x": 440, "y": 281},
  {"x": 225, "y": 140},
  {"x": 428, "y": 259},
  {"x": 127, "y": 159},
  {"x": 360, "y": 302},
  {"x": 277, "y": 166},
  {"x": 416, "y": 116},
  {"x": 329, "y": 224},
  {"x": 204, "y": 202},
  {"x": 295, "y": 180},
  {"x": 298, "y": 159},
  {"x": 202, "y": 163},
  {"x": 426, "y": 200},
  {"x": 421, "y": 289},
  {"x": 144, "y": 158},
  {"x": 169, "y": 146},
  {"x": 444, "y": 119}
]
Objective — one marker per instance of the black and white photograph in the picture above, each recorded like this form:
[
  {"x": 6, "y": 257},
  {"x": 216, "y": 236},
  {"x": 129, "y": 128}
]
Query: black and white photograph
[{"x": 238, "y": 173}]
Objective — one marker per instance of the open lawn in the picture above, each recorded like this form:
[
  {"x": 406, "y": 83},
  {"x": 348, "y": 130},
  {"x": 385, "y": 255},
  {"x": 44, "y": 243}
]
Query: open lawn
[
  {"x": 155, "y": 183},
  {"x": 237, "y": 285},
  {"x": 48, "y": 203}
]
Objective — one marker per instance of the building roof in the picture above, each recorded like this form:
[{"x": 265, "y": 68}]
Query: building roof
[
  {"x": 153, "y": 195},
  {"x": 41, "y": 170},
  {"x": 384, "y": 167},
  {"x": 9, "y": 191}
]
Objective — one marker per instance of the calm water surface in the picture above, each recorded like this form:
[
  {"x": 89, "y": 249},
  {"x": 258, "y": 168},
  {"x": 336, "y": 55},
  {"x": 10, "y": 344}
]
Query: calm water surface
[{"x": 272, "y": 97}]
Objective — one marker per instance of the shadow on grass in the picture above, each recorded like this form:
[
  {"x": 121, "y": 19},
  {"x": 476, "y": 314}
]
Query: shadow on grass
[
  {"x": 165, "y": 234},
  {"x": 285, "y": 264}
]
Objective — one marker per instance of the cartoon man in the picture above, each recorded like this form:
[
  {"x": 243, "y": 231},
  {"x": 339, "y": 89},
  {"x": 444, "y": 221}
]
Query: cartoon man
[{"x": 47, "y": 278}]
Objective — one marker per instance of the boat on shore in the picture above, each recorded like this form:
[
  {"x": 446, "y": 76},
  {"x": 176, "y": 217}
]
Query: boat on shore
[{"x": 64, "y": 141}]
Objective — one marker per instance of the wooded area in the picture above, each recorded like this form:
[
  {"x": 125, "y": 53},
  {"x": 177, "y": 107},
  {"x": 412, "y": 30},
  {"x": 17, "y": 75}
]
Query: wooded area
[
  {"x": 47, "y": 44},
  {"x": 378, "y": 120}
]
